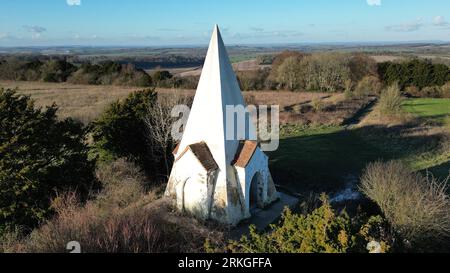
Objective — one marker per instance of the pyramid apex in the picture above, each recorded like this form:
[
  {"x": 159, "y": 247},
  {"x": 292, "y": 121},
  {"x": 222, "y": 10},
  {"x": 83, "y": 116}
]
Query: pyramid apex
[{"x": 216, "y": 31}]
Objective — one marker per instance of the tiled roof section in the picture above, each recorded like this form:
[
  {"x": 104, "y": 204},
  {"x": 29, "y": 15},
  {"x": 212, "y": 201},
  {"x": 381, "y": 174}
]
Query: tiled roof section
[
  {"x": 202, "y": 152},
  {"x": 175, "y": 151},
  {"x": 245, "y": 153}
]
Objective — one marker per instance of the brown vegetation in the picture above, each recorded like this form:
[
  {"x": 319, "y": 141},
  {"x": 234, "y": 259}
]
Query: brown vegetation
[
  {"x": 390, "y": 101},
  {"x": 417, "y": 206},
  {"x": 123, "y": 218},
  {"x": 87, "y": 102}
]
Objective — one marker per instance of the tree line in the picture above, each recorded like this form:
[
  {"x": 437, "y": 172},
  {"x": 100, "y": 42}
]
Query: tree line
[
  {"x": 289, "y": 70},
  {"x": 347, "y": 72},
  {"x": 59, "y": 70}
]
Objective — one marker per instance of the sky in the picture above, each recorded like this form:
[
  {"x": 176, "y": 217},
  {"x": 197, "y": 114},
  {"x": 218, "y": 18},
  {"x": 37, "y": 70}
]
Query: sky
[{"x": 190, "y": 22}]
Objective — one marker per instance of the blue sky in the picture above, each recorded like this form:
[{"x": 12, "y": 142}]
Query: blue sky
[{"x": 189, "y": 22}]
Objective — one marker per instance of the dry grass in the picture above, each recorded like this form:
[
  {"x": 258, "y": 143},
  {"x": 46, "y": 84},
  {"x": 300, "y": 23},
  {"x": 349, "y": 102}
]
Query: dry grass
[
  {"x": 81, "y": 102},
  {"x": 388, "y": 110},
  {"x": 391, "y": 100},
  {"x": 416, "y": 206},
  {"x": 124, "y": 218},
  {"x": 284, "y": 98},
  {"x": 86, "y": 102},
  {"x": 386, "y": 58}
]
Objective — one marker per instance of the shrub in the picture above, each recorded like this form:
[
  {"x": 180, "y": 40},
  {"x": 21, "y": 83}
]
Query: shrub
[
  {"x": 122, "y": 219},
  {"x": 321, "y": 231},
  {"x": 362, "y": 66},
  {"x": 348, "y": 92},
  {"x": 57, "y": 70},
  {"x": 431, "y": 92},
  {"x": 121, "y": 131},
  {"x": 413, "y": 91},
  {"x": 110, "y": 73},
  {"x": 391, "y": 101},
  {"x": 317, "y": 104},
  {"x": 416, "y": 206},
  {"x": 253, "y": 80},
  {"x": 39, "y": 156},
  {"x": 445, "y": 90},
  {"x": 369, "y": 85},
  {"x": 417, "y": 72}
]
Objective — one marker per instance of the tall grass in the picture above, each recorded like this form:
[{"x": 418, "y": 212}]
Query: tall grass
[
  {"x": 391, "y": 101},
  {"x": 417, "y": 206}
]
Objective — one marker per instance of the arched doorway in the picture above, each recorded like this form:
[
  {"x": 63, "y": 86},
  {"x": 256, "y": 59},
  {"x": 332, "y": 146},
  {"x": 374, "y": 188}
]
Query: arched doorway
[{"x": 255, "y": 195}]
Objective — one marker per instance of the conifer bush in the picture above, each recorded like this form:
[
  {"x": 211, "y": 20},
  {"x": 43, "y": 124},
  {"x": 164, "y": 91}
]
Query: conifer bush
[
  {"x": 39, "y": 156},
  {"x": 321, "y": 231},
  {"x": 121, "y": 132}
]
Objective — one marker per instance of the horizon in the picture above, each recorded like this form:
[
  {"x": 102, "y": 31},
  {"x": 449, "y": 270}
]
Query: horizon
[
  {"x": 267, "y": 45},
  {"x": 175, "y": 22}
]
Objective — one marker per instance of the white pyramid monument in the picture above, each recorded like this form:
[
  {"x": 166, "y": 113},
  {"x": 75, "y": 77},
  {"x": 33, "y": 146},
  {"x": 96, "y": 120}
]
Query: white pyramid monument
[{"x": 214, "y": 177}]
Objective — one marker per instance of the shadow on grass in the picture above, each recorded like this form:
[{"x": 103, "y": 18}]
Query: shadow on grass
[
  {"x": 319, "y": 162},
  {"x": 441, "y": 171}
]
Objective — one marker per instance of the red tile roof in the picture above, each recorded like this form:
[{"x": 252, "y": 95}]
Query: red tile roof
[{"x": 245, "y": 153}]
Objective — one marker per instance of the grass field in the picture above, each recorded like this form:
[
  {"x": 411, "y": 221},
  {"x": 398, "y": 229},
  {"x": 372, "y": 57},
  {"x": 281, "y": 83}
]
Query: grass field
[
  {"x": 320, "y": 159},
  {"x": 429, "y": 109},
  {"x": 326, "y": 159},
  {"x": 86, "y": 102}
]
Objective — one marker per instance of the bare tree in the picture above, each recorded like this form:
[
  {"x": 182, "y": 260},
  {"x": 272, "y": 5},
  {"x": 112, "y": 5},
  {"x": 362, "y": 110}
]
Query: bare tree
[{"x": 159, "y": 123}]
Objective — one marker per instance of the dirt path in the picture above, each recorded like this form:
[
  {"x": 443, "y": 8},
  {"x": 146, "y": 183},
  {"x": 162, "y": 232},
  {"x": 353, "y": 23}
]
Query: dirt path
[{"x": 360, "y": 115}]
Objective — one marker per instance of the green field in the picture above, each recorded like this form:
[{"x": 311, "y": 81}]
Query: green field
[
  {"x": 321, "y": 159},
  {"x": 430, "y": 109}
]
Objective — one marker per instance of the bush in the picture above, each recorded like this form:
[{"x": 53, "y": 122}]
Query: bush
[
  {"x": 110, "y": 73},
  {"x": 317, "y": 104},
  {"x": 321, "y": 231},
  {"x": 348, "y": 92},
  {"x": 416, "y": 72},
  {"x": 413, "y": 91},
  {"x": 253, "y": 80},
  {"x": 39, "y": 156},
  {"x": 416, "y": 206},
  {"x": 445, "y": 90},
  {"x": 390, "y": 101},
  {"x": 121, "y": 131},
  {"x": 57, "y": 70},
  {"x": 369, "y": 85},
  {"x": 162, "y": 75},
  {"x": 362, "y": 66},
  {"x": 52, "y": 70},
  {"x": 431, "y": 92},
  {"x": 122, "y": 219}
]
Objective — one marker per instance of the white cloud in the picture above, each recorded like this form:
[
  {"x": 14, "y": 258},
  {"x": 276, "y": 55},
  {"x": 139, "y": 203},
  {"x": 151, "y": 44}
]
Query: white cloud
[
  {"x": 73, "y": 2},
  {"x": 374, "y": 2},
  {"x": 439, "y": 21}
]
